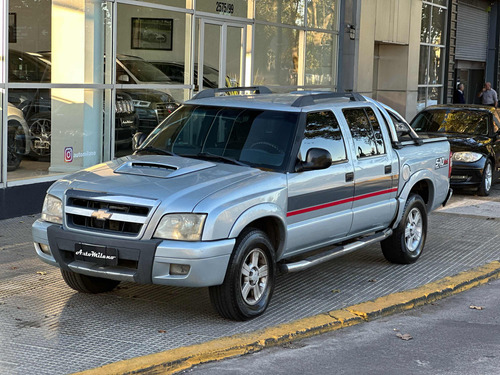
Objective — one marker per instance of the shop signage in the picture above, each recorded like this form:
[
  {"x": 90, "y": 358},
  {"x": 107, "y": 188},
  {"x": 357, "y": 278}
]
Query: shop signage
[
  {"x": 224, "y": 8},
  {"x": 69, "y": 156}
]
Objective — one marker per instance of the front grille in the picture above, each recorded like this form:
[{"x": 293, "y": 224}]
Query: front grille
[
  {"x": 164, "y": 109},
  {"x": 106, "y": 216}
]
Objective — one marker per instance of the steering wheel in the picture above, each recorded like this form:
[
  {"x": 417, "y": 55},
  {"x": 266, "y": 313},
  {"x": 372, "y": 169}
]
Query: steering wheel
[{"x": 266, "y": 146}]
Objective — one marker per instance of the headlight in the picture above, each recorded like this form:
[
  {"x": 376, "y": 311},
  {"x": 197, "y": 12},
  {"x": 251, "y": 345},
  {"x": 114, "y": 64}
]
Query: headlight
[
  {"x": 52, "y": 209},
  {"x": 141, "y": 104},
  {"x": 184, "y": 227},
  {"x": 467, "y": 157}
]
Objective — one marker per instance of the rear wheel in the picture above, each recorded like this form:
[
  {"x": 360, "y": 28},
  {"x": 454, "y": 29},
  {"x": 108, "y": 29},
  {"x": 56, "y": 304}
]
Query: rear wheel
[
  {"x": 250, "y": 277},
  {"x": 13, "y": 158},
  {"x": 406, "y": 243},
  {"x": 487, "y": 180},
  {"x": 40, "y": 126},
  {"x": 88, "y": 284}
]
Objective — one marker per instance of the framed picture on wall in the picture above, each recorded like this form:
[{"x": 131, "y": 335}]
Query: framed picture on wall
[
  {"x": 152, "y": 33},
  {"x": 12, "y": 28}
]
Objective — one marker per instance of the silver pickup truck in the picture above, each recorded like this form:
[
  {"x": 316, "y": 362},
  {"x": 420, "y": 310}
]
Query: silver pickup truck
[{"x": 230, "y": 190}]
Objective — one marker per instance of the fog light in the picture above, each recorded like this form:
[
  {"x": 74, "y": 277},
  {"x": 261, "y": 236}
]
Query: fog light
[
  {"x": 179, "y": 269},
  {"x": 45, "y": 248}
]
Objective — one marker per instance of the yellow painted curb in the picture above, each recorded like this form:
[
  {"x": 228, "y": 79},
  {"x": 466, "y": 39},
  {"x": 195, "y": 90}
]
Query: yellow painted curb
[{"x": 175, "y": 360}]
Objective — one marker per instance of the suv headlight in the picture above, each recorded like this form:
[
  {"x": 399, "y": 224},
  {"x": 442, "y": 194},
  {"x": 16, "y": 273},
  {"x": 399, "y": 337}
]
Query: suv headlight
[
  {"x": 467, "y": 156},
  {"x": 52, "y": 209},
  {"x": 183, "y": 227}
]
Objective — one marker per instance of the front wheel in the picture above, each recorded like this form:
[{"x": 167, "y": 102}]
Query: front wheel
[
  {"x": 88, "y": 284},
  {"x": 406, "y": 243},
  {"x": 487, "y": 180},
  {"x": 250, "y": 277}
]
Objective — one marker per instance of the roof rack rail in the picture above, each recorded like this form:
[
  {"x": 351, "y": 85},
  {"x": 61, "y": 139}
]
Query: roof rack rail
[
  {"x": 210, "y": 93},
  {"x": 309, "y": 99}
]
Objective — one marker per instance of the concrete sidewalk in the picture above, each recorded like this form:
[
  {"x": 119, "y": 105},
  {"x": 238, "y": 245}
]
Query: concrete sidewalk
[{"x": 47, "y": 328}]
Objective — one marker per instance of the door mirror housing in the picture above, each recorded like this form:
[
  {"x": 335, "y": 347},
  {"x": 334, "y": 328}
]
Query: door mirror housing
[
  {"x": 316, "y": 158},
  {"x": 137, "y": 140}
]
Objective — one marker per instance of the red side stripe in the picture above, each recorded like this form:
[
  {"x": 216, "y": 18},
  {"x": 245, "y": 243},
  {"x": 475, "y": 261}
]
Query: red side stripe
[{"x": 342, "y": 201}]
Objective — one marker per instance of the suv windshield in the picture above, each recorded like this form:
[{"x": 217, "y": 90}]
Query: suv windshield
[
  {"x": 451, "y": 121},
  {"x": 258, "y": 138},
  {"x": 144, "y": 71}
]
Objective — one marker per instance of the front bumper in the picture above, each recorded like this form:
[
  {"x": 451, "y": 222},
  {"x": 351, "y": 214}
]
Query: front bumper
[
  {"x": 140, "y": 261},
  {"x": 464, "y": 175}
]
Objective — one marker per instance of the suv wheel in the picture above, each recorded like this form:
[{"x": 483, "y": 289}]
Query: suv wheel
[
  {"x": 406, "y": 243},
  {"x": 250, "y": 278},
  {"x": 487, "y": 180},
  {"x": 88, "y": 284}
]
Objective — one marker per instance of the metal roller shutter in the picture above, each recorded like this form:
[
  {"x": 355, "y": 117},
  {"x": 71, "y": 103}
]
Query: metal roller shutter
[{"x": 472, "y": 33}]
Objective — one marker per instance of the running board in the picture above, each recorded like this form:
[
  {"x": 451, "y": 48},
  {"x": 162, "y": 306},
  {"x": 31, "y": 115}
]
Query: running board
[{"x": 334, "y": 252}]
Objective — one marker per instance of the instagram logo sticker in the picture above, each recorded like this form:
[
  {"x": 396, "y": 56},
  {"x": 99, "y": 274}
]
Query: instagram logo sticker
[{"x": 68, "y": 154}]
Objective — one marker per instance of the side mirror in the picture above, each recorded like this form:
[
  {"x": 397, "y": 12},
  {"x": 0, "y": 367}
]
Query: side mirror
[
  {"x": 123, "y": 78},
  {"x": 316, "y": 158},
  {"x": 137, "y": 140}
]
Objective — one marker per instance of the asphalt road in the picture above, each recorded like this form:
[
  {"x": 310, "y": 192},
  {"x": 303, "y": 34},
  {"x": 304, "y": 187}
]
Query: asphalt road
[{"x": 447, "y": 337}]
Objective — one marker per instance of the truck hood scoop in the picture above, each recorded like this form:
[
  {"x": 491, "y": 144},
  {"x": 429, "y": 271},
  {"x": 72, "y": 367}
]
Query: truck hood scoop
[{"x": 174, "y": 168}]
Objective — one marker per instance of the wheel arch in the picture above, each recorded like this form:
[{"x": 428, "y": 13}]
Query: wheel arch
[{"x": 266, "y": 217}]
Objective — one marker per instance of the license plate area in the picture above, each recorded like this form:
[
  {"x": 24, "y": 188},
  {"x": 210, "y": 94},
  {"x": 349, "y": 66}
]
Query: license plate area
[{"x": 100, "y": 255}]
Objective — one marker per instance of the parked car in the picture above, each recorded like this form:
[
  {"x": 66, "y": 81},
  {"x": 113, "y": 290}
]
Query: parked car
[
  {"x": 152, "y": 106},
  {"x": 36, "y": 104},
  {"x": 175, "y": 72},
  {"x": 229, "y": 189},
  {"x": 18, "y": 137},
  {"x": 474, "y": 134}
]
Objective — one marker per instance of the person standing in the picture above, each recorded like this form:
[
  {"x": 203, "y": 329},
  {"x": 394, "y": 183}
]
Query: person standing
[
  {"x": 459, "y": 97},
  {"x": 488, "y": 95}
]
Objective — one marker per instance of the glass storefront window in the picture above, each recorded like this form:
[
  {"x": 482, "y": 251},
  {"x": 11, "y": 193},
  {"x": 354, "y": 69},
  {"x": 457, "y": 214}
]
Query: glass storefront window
[
  {"x": 55, "y": 47},
  {"x": 320, "y": 58},
  {"x": 61, "y": 131},
  {"x": 322, "y": 14},
  {"x": 436, "y": 65},
  {"x": 423, "y": 64},
  {"x": 425, "y": 24},
  {"x": 438, "y": 25},
  {"x": 432, "y": 54},
  {"x": 152, "y": 47},
  {"x": 276, "y": 56},
  {"x": 289, "y": 12}
]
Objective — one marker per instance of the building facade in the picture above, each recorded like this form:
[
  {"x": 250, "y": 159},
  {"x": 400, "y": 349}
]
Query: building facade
[{"x": 85, "y": 75}]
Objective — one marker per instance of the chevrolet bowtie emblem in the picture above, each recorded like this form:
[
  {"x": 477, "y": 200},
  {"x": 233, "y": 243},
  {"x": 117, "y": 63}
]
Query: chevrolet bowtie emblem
[{"x": 101, "y": 215}]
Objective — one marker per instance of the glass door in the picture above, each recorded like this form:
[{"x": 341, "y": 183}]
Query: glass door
[{"x": 220, "y": 54}]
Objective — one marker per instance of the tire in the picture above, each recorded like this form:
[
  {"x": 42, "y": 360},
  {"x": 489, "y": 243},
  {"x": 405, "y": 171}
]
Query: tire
[
  {"x": 13, "y": 158},
  {"x": 406, "y": 243},
  {"x": 88, "y": 284},
  {"x": 487, "y": 179},
  {"x": 249, "y": 282}
]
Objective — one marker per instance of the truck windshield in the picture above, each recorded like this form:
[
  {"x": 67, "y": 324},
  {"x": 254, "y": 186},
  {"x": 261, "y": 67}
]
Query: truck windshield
[
  {"x": 257, "y": 138},
  {"x": 461, "y": 121}
]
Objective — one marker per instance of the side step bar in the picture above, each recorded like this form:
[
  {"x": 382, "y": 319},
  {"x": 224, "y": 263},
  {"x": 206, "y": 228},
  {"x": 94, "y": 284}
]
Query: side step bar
[{"x": 334, "y": 252}]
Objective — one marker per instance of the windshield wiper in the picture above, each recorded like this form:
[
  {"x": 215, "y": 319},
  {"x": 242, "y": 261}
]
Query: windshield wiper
[
  {"x": 155, "y": 150},
  {"x": 210, "y": 156}
]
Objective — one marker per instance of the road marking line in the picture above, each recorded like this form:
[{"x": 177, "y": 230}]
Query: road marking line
[{"x": 174, "y": 360}]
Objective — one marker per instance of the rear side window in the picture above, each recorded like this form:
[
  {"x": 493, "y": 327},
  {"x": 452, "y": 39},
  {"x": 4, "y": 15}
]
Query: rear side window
[
  {"x": 365, "y": 132},
  {"x": 323, "y": 131}
]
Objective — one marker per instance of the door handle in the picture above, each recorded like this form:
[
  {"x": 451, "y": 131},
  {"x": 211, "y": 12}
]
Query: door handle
[
  {"x": 388, "y": 169},
  {"x": 349, "y": 176}
]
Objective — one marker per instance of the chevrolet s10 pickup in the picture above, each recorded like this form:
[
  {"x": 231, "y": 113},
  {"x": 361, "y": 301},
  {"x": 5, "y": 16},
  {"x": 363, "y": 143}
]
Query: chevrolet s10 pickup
[{"x": 231, "y": 189}]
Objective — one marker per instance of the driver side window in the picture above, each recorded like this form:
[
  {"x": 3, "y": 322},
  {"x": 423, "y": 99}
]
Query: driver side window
[{"x": 323, "y": 131}]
